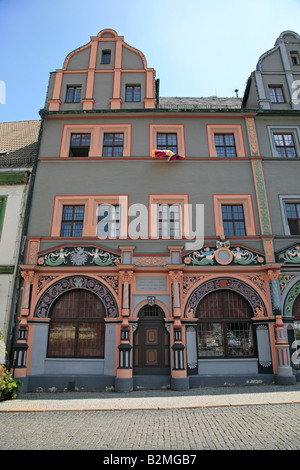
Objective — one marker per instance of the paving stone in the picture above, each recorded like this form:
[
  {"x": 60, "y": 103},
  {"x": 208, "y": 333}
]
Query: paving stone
[{"x": 252, "y": 427}]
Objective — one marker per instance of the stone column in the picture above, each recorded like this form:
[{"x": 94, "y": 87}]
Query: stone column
[
  {"x": 179, "y": 378},
  {"x": 284, "y": 374},
  {"x": 21, "y": 346},
  {"x": 88, "y": 101},
  {"x": 124, "y": 379},
  {"x": 115, "y": 101}
]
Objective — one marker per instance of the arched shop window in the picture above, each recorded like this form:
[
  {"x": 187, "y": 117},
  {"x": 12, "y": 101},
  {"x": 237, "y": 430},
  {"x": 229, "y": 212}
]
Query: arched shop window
[
  {"x": 77, "y": 326},
  {"x": 296, "y": 315},
  {"x": 224, "y": 326},
  {"x": 296, "y": 308}
]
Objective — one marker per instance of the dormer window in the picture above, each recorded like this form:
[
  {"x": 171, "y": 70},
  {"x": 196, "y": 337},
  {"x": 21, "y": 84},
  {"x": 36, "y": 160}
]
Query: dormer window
[
  {"x": 106, "y": 56},
  {"x": 295, "y": 59},
  {"x": 133, "y": 93},
  {"x": 73, "y": 94},
  {"x": 276, "y": 94}
]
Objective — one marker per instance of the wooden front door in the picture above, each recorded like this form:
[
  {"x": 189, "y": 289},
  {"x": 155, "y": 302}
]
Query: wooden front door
[{"x": 151, "y": 343}]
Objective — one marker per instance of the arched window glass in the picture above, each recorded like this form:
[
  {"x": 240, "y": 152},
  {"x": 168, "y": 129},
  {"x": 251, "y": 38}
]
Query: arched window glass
[
  {"x": 296, "y": 308},
  {"x": 77, "y": 326},
  {"x": 296, "y": 315},
  {"x": 224, "y": 326}
]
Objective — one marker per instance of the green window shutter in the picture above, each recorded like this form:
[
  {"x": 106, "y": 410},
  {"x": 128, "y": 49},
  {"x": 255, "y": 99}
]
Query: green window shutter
[{"x": 3, "y": 200}]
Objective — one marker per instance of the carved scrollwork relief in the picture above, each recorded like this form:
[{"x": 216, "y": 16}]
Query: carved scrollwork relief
[{"x": 62, "y": 286}]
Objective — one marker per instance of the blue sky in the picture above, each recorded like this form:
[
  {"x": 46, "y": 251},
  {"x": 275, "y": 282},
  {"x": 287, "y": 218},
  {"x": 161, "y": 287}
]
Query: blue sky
[{"x": 197, "y": 48}]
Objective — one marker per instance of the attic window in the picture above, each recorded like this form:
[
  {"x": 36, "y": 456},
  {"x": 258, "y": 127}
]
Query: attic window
[
  {"x": 73, "y": 94},
  {"x": 106, "y": 54},
  {"x": 295, "y": 58},
  {"x": 276, "y": 94},
  {"x": 133, "y": 93},
  {"x": 3, "y": 153}
]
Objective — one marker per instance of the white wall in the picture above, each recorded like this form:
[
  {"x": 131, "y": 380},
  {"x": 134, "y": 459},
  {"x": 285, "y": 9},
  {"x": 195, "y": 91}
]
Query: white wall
[{"x": 9, "y": 245}]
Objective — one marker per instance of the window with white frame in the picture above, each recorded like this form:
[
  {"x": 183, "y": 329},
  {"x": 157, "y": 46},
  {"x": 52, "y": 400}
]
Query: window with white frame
[
  {"x": 290, "y": 210},
  {"x": 284, "y": 141},
  {"x": 285, "y": 145}
]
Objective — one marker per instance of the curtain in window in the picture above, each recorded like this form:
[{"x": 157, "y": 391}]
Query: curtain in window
[{"x": 77, "y": 326}]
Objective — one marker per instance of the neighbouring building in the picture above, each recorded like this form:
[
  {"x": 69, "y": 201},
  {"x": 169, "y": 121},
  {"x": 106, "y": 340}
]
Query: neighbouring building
[
  {"x": 18, "y": 141},
  {"x": 118, "y": 291}
]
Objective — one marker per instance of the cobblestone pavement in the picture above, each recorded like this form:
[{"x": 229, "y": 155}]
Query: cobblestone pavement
[{"x": 247, "y": 427}]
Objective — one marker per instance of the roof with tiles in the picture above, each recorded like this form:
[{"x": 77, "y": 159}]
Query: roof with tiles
[
  {"x": 18, "y": 141},
  {"x": 212, "y": 102}
]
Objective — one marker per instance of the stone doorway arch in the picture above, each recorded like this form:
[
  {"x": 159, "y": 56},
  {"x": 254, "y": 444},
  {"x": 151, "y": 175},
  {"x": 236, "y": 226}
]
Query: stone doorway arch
[{"x": 151, "y": 343}]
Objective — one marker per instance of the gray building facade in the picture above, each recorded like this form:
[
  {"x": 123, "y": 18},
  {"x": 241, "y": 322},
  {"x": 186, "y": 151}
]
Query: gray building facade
[{"x": 163, "y": 238}]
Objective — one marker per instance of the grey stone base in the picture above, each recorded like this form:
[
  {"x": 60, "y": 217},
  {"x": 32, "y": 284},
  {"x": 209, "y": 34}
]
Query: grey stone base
[
  {"x": 285, "y": 380},
  {"x": 232, "y": 380},
  {"x": 108, "y": 383},
  {"x": 285, "y": 376},
  {"x": 123, "y": 385},
  {"x": 180, "y": 384},
  {"x": 63, "y": 383},
  {"x": 151, "y": 382}
]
